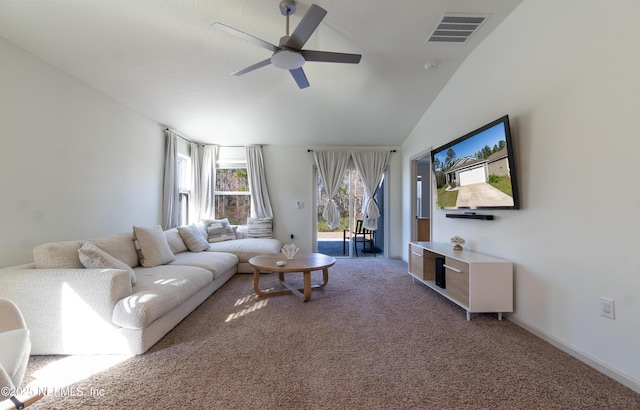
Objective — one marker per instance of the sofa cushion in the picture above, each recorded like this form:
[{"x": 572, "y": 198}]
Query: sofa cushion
[
  {"x": 92, "y": 256},
  {"x": 218, "y": 230},
  {"x": 259, "y": 227},
  {"x": 241, "y": 231},
  {"x": 58, "y": 255},
  {"x": 193, "y": 238},
  {"x": 176, "y": 244},
  {"x": 159, "y": 290},
  {"x": 246, "y": 249},
  {"x": 152, "y": 246},
  {"x": 215, "y": 262},
  {"x": 120, "y": 246}
]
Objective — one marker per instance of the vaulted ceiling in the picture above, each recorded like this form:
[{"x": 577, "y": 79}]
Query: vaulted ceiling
[{"x": 163, "y": 59}]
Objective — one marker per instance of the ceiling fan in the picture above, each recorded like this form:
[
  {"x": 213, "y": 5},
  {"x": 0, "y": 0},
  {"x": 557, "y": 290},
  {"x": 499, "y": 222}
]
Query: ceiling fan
[{"x": 289, "y": 55}]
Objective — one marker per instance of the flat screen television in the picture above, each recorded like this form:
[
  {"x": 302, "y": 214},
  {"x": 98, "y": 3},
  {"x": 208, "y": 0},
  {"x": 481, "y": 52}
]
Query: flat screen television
[{"x": 477, "y": 170}]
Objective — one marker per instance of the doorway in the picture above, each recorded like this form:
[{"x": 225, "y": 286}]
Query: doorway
[
  {"x": 421, "y": 197},
  {"x": 350, "y": 200}
]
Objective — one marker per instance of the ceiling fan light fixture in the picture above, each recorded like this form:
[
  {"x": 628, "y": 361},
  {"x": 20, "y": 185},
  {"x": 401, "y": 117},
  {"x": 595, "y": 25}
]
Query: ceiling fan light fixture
[{"x": 287, "y": 59}]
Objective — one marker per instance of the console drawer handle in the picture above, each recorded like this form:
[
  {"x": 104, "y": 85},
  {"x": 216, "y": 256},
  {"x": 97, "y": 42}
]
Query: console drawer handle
[{"x": 452, "y": 268}]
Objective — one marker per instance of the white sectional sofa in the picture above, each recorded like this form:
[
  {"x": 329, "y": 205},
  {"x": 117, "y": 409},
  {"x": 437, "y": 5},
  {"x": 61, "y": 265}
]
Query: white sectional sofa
[{"x": 127, "y": 299}]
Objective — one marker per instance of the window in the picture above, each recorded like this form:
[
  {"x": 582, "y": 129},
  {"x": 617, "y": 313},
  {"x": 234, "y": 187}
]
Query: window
[
  {"x": 184, "y": 183},
  {"x": 232, "y": 197}
]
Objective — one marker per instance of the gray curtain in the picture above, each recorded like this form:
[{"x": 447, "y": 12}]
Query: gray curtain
[
  {"x": 371, "y": 166},
  {"x": 260, "y": 204},
  {"x": 196, "y": 197},
  {"x": 331, "y": 166},
  {"x": 170, "y": 207},
  {"x": 208, "y": 182}
]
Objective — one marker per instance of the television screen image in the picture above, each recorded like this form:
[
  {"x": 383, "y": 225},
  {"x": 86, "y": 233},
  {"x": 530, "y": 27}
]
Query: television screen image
[{"x": 477, "y": 170}]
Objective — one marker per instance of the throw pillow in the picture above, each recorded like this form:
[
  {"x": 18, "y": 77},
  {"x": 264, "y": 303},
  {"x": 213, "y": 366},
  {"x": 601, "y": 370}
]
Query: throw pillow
[
  {"x": 259, "y": 227},
  {"x": 201, "y": 228},
  {"x": 218, "y": 230},
  {"x": 58, "y": 255},
  {"x": 93, "y": 257},
  {"x": 241, "y": 232},
  {"x": 175, "y": 241},
  {"x": 193, "y": 238},
  {"x": 152, "y": 246}
]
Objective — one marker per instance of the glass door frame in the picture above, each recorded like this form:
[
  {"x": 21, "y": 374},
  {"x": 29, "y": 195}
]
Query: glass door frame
[{"x": 383, "y": 212}]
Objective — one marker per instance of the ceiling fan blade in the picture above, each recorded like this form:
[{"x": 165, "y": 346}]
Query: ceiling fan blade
[
  {"x": 300, "y": 77},
  {"x": 252, "y": 67},
  {"x": 310, "y": 21},
  {"x": 330, "y": 57},
  {"x": 245, "y": 36}
]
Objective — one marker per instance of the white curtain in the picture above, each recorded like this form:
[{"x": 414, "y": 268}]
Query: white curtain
[
  {"x": 331, "y": 166},
  {"x": 260, "y": 204},
  {"x": 170, "y": 206},
  {"x": 208, "y": 182},
  {"x": 371, "y": 166},
  {"x": 196, "y": 197}
]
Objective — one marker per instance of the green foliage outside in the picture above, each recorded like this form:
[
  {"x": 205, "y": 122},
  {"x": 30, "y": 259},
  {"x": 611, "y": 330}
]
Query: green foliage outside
[
  {"x": 323, "y": 227},
  {"x": 441, "y": 179},
  {"x": 446, "y": 199},
  {"x": 501, "y": 183},
  {"x": 350, "y": 195},
  {"x": 486, "y": 152},
  {"x": 236, "y": 221},
  {"x": 229, "y": 202}
]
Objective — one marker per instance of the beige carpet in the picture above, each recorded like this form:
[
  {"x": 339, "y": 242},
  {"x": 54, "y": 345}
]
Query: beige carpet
[{"x": 372, "y": 339}]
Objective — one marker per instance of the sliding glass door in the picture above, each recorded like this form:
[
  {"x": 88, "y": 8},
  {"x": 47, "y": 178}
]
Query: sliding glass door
[{"x": 346, "y": 240}]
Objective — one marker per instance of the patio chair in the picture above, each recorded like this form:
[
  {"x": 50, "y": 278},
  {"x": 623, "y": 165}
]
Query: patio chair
[{"x": 362, "y": 235}]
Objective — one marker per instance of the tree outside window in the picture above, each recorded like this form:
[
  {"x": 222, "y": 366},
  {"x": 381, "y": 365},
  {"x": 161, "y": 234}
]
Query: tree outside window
[{"x": 232, "y": 197}]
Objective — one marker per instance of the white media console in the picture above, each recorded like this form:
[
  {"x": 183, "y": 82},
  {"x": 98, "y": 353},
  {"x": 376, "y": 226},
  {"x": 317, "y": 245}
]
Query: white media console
[{"x": 477, "y": 283}]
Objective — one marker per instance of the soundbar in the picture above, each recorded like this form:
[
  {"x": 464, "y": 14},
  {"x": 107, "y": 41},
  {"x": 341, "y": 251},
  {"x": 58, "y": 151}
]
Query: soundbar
[{"x": 471, "y": 216}]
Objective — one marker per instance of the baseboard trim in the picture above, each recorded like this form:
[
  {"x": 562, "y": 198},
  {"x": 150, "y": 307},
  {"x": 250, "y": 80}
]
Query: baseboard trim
[{"x": 616, "y": 375}]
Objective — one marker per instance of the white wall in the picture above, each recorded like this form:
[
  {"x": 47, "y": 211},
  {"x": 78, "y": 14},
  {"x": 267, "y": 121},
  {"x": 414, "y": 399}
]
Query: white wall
[
  {"x": 289, "y": 172},
  {"x": 74, "y": 163},
  {"x": 567, "y": 74}
]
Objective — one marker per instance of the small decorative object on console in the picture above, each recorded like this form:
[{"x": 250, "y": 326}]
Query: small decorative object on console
[
  {"x": 457, "y": 242},
  {"x": 290, "y": 250}
]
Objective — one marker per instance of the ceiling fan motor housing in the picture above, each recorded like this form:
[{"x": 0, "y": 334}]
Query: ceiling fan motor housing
[{"x": 287, "y": 7}]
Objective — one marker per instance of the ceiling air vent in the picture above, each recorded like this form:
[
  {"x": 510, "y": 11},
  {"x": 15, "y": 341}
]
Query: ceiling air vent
[{"x": 456, "y": 28}]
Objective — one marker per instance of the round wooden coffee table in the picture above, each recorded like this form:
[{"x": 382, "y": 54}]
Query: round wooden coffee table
[{"x": 302, "y": 262}]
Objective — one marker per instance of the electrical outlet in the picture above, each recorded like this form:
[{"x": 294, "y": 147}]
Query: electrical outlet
[{"x": 607, "y": 308}]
